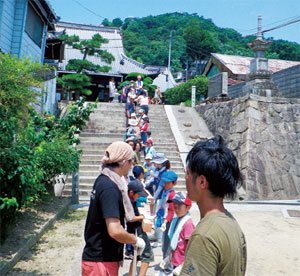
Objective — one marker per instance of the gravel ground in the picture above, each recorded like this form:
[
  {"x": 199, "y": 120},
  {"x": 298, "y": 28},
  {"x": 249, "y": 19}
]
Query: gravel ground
[
  {"x": 56, "y": 250},
  {"x": 272, "y": 239}
]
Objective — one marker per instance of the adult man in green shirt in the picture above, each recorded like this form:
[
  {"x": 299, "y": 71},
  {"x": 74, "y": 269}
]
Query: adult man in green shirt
[{"x": 217, "y": 246}]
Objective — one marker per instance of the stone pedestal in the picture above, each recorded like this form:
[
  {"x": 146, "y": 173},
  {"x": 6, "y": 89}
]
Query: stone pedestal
[
  {"x": 261, "y": 86},
  {"x": 259, "y": 64}
]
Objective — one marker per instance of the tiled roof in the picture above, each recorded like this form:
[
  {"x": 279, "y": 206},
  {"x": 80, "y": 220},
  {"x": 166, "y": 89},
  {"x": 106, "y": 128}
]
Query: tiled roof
[
  {"x": 240, "y": 65},
  {"x": 121, "y": 65}
]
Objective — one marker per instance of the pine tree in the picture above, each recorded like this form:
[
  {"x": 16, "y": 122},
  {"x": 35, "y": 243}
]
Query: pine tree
[{"x": 79, "y": 81}]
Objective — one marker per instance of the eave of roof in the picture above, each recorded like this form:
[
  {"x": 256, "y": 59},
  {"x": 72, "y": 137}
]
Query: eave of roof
[
  {"x": 84, "y": 26},
  {"x": 93, "y": 73},
  {"x": 121, "y": 65},
  {"x": 46, "y": 12},
  {"x": 240, "y": 65}
]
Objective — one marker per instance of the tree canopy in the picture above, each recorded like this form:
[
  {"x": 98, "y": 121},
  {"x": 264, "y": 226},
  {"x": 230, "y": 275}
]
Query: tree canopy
[{"x": 147, "y": 39}]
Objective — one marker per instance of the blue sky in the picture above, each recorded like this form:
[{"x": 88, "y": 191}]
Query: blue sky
[{"x": 237, "y": 14}]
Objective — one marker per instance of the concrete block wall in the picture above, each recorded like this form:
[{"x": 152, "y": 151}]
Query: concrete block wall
[
  {"x": 218, "y": 84},
  {"x": 234, "y": 91},
  {"x": 264, "y": 134},
  {"x": 288, "y": 82}
]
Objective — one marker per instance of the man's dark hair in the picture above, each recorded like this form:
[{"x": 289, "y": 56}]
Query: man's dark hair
[{"x": 218, "y": 164}]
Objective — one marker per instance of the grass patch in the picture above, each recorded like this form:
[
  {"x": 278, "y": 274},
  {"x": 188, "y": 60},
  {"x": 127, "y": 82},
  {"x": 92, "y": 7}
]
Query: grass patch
[{"x": 74, "y": 215}]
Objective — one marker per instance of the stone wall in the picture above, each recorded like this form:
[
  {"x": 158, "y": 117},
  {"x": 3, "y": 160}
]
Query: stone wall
[
  {"x": 288, "y": 81},
  {"x": 264, "y": 134}
]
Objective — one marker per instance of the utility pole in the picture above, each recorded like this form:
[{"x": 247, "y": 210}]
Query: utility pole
[
  {"x": 186, "y": 71},
  {"x": 169, "y": 61}
]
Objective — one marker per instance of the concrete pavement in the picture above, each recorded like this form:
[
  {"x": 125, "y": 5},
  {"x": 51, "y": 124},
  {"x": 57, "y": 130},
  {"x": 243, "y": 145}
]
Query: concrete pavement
[{"x": 272, "y": 238}]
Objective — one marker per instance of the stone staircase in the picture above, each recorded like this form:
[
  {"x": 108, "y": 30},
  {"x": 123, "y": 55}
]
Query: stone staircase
[
  {"x": 164, "y": 141},
  {"x": 106, "y": 125}
]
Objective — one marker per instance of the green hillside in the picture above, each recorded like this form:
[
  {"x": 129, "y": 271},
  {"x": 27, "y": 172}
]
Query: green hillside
[{"x": 194, "y": 37}]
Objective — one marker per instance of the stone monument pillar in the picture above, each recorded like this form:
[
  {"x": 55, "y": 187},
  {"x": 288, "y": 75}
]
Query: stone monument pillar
[{"x": 259, "y": 80}]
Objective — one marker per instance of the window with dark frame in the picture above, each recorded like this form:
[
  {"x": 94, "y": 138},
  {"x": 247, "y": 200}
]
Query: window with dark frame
[{"x": 34, "y": 26}]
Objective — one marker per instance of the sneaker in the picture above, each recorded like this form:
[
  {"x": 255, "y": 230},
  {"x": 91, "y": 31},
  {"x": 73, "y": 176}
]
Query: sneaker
[
  {"x": 128, "y": 256},
  {"x": 155, "y": 244},
  {"x": 162, "y": 264},
  {"x": 162, "y": 273},
  {"x": 152, "y": 237}
]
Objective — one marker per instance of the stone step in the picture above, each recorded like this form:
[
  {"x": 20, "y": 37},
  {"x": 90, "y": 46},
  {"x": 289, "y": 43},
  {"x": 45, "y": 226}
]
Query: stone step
[
  {"x": 102, "y": 141},
  {"x": 94, "y": 171},
  {"x": 98, "y": 156},
  {"x": 157, "y": 141},
  {"x": 89, "y": 186},
  {"x": 91, "y": 179},
  {"x": 120, "y": 113},
  {"x": 158, "y": 130},
  {"x": 173, "y": 159},
  {"x": 121, "y": 128},
  {"x": 103, "y": 134},
  {"x": 93, "y": 154},
  {"x": 85, "y": 191},
  {"x": 114, "y": 131},
  {"x": 121, "y": 125},
  {"x": 110, "y": 106},
  {"x": 82, "y": 167},
  {"x": 159, "y": 147}
]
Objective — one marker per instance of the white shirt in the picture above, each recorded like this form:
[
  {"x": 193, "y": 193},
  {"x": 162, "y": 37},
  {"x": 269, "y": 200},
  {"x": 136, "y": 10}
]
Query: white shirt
[
  {"x": 143, "y": 100},
  {"x": 132, "y": 93},
  {"x": 139, "y": 84},
  {"x": 112, "y": 88}
]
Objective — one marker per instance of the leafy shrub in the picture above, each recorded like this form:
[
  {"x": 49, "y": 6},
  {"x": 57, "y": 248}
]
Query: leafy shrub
[
  {"x": 182, "y": 92},
  {"x": 34, "y": 148}
]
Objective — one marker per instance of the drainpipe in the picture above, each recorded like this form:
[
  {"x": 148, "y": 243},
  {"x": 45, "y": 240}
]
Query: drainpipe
[{"x": 44, "y": 43}]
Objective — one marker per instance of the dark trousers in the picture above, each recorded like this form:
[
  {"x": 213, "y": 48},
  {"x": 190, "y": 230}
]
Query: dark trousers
[
  {"x": 166, "y": 242},
  {"x": 127, "y": 122},
  {"x": 146, "y": 108}
]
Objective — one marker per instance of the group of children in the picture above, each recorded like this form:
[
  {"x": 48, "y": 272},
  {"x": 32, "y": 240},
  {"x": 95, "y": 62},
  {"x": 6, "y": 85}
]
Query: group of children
[
  {"x": 173, "y": 225},
  {"x": 153, "y": 183}
]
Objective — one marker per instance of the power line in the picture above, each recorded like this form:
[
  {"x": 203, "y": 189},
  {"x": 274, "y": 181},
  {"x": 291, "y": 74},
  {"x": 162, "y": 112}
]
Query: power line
[
  {"x": 282, "y": 25},
  {"x": 196, "y": 51},
  {"x": 88, "y": 9},
  {"x": 253, "y": 29},
  {"x": 295, "y": 20}
]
